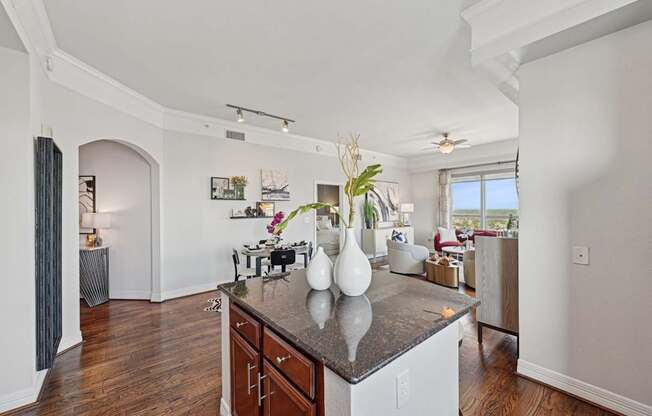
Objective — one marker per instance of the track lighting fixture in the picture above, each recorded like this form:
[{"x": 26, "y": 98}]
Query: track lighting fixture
[{"x": 239, "y": 111}]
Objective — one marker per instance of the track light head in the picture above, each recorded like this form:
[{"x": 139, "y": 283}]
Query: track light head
[
  {"x": 285, "y": 126},
  {"x": 238, "y": 112}
]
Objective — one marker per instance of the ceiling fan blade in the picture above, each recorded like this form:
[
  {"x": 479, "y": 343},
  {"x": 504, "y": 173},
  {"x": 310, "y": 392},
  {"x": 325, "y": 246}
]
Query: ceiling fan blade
[
  {"x": 462, "y": 146},
  {"x": 460, "y": 141}
]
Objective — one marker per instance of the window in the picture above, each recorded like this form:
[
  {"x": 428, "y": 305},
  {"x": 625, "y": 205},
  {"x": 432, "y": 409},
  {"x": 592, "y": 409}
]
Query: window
[{"x": 484, "y": 201}]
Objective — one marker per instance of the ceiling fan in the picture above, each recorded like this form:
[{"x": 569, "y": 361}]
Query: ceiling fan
[{"x": 447, "y": 145}]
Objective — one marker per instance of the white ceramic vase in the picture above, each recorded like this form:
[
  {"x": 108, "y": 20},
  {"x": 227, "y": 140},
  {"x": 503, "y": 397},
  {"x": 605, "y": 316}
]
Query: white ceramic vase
[
  {"x": 352, "y": 272},
  {"x": 320, "y": 271},
  {"x": 354, "y": 316}
]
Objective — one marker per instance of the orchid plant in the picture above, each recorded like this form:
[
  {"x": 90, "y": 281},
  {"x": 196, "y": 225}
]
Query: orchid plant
[
  {"x": 357, "y": 183},
  {"x": 271, "y": 228}
]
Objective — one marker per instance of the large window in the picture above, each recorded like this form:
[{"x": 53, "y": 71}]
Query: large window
[{"x": 484, "y": 201}]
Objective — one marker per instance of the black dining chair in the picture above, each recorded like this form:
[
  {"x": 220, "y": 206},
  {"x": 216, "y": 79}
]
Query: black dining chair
[
  {"x": 282, "y": 258},
  {"x": 244, "y": 272}
]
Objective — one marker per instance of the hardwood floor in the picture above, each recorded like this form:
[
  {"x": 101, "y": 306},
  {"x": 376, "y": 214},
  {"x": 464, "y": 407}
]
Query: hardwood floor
[{"x": 140, "y": 358}]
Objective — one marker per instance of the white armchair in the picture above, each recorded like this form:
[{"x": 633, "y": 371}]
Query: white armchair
[{"x": 406, "y": 258}]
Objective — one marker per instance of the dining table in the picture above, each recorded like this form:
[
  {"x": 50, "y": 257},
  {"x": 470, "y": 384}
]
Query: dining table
[{"x": 266, "y": 252}]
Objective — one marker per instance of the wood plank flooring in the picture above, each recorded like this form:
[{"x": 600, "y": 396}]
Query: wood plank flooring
[{"x": 140, "y": 358}]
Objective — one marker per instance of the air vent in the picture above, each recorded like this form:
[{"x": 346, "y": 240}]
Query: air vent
[{"x": 235, "y": 135}]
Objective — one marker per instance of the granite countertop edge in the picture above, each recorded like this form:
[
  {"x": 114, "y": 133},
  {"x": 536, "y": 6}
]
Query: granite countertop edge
[{"x": 351, "y": 379}]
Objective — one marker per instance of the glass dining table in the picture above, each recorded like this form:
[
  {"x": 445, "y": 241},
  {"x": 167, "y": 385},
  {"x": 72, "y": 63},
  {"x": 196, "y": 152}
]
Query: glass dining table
[{"x": 266, "y": 252}]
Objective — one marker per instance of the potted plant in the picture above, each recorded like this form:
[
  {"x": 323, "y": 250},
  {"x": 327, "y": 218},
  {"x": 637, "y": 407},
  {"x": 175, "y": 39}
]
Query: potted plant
[
  {"x": 352, "y": 271},
  {"x": 272, "y": 227},
  {"x": 368, "y": 209},
  {"x": 239, "y": 183}
]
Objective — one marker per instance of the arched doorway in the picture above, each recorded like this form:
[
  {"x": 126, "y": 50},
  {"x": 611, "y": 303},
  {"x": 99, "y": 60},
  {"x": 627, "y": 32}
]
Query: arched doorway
[{"x": 127, "y": 188}]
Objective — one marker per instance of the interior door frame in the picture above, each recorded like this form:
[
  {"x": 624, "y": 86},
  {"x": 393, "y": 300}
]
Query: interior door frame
[{"x": 342, "y": 207}]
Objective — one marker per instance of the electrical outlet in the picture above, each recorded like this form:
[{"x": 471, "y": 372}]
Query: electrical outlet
[
  {"x": 581, "y": 255},
  {"x": 402, "y": 388}
]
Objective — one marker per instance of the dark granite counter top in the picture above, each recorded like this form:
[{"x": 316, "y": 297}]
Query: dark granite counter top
[{"x": 353, "y": 336}]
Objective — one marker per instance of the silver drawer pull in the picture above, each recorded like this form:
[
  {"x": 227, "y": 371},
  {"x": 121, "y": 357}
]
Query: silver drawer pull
[
  {"x": 249, "y": 386},
  {"x": 260, "y": 389},
  {"x": 239, "y": 324},
  {"x": 279, "y": 360}
]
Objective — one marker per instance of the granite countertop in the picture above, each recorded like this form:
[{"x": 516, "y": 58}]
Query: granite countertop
[{"x": 352, "y": 336}]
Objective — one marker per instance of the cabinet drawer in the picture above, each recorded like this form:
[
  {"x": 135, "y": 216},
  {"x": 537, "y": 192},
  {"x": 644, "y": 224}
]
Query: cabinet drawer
[
  {"x": 245, "y": 325},
  {"x": 294, "y": 365}
]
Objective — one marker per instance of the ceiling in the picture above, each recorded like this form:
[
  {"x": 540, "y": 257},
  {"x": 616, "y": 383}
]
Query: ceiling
[
  {"x": 396, "y": 72},
  {"x": 8, "y": 36}
]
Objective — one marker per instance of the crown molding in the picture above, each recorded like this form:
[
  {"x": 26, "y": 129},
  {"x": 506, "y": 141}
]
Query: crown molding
[{"x": 34, "y": 28}]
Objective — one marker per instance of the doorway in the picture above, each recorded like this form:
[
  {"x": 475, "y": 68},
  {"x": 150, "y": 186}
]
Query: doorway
[{"x": 327, "y": 222}]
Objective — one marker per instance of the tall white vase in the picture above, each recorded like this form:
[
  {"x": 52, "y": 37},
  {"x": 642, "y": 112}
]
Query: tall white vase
[
  {"x": 352, "y": 270},
  {"x": 320, "y": 271}
]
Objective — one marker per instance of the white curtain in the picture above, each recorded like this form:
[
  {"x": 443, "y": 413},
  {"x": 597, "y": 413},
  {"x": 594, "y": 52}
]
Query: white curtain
[{"x": 444, "y": 198}]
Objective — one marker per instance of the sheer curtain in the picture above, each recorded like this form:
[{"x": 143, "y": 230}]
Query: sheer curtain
[{"x": 444, "y": 198}]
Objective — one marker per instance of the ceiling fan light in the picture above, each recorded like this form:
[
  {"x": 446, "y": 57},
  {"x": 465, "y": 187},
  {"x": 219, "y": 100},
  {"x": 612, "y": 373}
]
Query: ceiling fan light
[{"x": 446, "y": 147}]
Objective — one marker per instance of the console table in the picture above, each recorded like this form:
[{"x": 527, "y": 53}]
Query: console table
[{"x": 94, "y": 274}]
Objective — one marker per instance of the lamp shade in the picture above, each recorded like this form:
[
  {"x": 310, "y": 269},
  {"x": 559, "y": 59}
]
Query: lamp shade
[
  {"x": 406, "y": 208},
  {"x": 88, "y": 220},
  {"x": 102, "y": 221}
]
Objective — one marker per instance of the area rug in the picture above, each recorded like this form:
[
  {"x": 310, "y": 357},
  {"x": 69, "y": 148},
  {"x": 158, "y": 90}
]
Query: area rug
[{"x": 216, "y": 305}]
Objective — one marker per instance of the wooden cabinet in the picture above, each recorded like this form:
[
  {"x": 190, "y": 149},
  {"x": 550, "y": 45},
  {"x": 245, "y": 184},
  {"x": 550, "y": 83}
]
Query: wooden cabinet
[
  {"x": 245, "y": 364},
  {"x": 281, "y": 398},
  {"x": 269, "y": 377}
]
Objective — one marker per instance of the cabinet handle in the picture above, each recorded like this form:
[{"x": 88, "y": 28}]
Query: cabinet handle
[
  {"x": 249, "y": 386},
  {"x": 239, "y": 324},
  {"x": 279, "y": 360},
  {"x": 260, "y": 388}
]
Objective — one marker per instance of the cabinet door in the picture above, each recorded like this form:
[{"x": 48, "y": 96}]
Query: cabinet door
[
  {"x": 245, "y": 365},
  {"x": 281, "y": 398}
]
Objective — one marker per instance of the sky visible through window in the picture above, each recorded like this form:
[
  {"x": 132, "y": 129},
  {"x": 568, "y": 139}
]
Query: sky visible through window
[{"x": 499, "y": 194}]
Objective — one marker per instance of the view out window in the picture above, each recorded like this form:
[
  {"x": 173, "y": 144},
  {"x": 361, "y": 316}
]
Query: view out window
[{"x": 484, "y": 202}]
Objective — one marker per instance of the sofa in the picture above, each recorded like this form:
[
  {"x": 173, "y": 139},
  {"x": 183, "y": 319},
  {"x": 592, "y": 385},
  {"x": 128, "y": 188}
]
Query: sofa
[
  {"x": 406, "y": 258},
  {"x": 460, "y": 239}
]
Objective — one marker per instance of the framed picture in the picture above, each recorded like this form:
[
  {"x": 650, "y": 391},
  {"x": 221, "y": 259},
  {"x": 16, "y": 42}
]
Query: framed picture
[
  {"x": 220, "y": 188},
  {"x": 385, "y": 197},
  {"x": 274, "y": 185},
  {"x": 265, "y": 209},
  {"x": 86, "y": 199}
]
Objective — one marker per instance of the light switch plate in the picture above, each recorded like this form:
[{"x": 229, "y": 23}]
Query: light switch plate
[
  {"x": 402, "y": 388},
  {"x": 580, "y": 255}
]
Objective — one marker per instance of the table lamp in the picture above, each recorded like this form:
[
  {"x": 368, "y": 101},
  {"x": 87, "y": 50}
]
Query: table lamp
[
  {"x": 405, "y": 210},
  {"x": 98, "y": 221}
]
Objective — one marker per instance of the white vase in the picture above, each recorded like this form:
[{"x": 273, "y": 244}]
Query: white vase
[
  {"x": 352, "y": 270},
  {"x": 320, "y": 306},
  {"x": 320, "y": 271},
  {"x": 354, "y": 316}
]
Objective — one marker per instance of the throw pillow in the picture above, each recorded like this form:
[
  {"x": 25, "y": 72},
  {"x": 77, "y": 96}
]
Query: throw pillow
[
  {"x": 399, "y": 237},
  {"x": 447, "y": 235}
]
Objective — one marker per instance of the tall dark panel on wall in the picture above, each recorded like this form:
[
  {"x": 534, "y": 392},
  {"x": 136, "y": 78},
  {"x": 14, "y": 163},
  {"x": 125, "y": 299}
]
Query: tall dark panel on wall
[{"x": 48, "y": 177}]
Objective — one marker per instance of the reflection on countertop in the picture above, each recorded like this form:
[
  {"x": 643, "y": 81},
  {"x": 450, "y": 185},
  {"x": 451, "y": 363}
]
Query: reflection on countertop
[{"x": 353, "y": 336}]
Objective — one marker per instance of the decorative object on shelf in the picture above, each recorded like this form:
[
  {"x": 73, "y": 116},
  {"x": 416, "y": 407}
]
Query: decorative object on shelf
[
  {"x": 238, "y": 213},
  {"x": 385, "y": 197},
  {"x": 319, "y": 272},
  {"x": 352, "y": 271},
  {"x": 274, "y": 185},
  {"x": 405, "y": 210},
  {"x": 97, "y": 221},
  {"x": 222, "y": 189},
  {"x": 250, "y": 212},
  {"x": 239, "y": 183},
  {"x": 265, "y": 209},
  {"x": 86, "y": 200},
  {"x": 320, "y": 306},
  {"x": 354, "y": 316},
  {"x": 368, "y": 209}
]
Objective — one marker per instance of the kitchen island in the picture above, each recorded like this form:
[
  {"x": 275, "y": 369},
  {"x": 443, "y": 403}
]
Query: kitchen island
[{"x": 289, "y": 350}]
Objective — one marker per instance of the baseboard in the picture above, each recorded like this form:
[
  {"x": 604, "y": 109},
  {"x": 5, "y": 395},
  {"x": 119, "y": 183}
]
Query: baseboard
[
  {"x": 583, "y": 390},
  {"x": 24, "y": 397},
  {"x": 225, "y": 410},
  {"x": 70, "y": 341},
  {"x": 186, "y": 291},
  {"x": 131, "y": 295}
]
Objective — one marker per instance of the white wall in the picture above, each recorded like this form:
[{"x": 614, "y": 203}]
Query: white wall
[
  {"x": 586, "y": 180},
  {"x": 123, "y": 190},
  {"x": 199, "y": 235},
  {"x": 18, "y": 379},
  {"x": 425, "y": 196}
]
